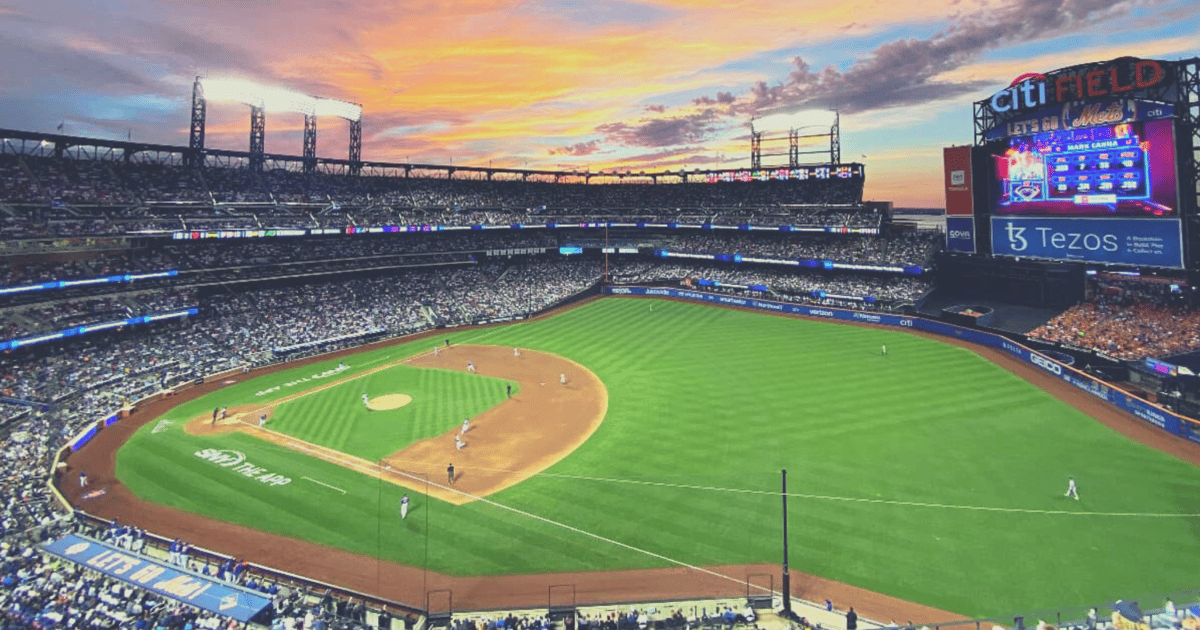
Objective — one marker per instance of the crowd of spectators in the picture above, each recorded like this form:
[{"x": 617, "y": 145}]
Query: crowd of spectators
[
  {"x": 797, "y": 286},
  {"x": 1128, "y": 320},
  {"x": 898, "y": 249},
  {"x": 77, "y": 196}
]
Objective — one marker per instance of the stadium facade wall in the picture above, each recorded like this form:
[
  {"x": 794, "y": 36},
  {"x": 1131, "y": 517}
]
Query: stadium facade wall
[{"x": 1147, "y": 412}]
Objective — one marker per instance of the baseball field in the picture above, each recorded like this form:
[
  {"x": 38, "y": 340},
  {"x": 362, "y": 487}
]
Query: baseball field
[{"x": 929, "y": 474}]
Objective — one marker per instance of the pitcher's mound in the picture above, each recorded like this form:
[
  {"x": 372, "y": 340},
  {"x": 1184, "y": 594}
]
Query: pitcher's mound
[{"x": 389, "y": 401}]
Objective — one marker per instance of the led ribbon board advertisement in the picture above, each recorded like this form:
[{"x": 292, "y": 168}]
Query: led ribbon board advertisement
[{"x": 185, "y": 586}]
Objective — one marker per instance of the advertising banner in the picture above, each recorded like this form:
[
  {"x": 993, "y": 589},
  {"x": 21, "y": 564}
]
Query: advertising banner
[
  {"x": 174, "y": 582},
  {"x": 1080, "y": 115},
  {"x": 1141, "y": 242},
  {"x": 956, "y": 162},
  {"x": 960, "y": 234}
]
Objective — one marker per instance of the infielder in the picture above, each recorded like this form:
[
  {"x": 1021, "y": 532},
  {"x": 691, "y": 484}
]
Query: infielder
[
  {"x": 883, "y": 350},
  {"x": 562, "y": 379},
  {"x": 262, "y": 420},
  {"x": 404, "y": 507},
  {"x": 458, "y": 442},
  {"x": 471, "y": 367},
  {"x": 82, "y": 479},
  {"x": 450, "y": 473},
  {"x": 437, "y": 351},
  {"x": 366, "y": 401},
  {"x": 516, "y": 352},
  {"x": 466, "y": 426},
  {"x": 1072, "y": 491}
]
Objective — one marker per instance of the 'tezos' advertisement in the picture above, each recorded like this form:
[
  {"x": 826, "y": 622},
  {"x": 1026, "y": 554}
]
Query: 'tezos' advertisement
[
  {"x": 1125, "y": 170},
  {"x": 1141, "y": 242}
]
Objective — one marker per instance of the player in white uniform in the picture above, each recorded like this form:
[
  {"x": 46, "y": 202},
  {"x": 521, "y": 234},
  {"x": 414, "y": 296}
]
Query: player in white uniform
[
  {"x": 366, "y": 401},
  {"x": 516, "y": 352},
  {"x": 466, "y": 426},
  {"x": 262, "y": 420},
  {"x": 883, "y": 351},
  {"x": 1072, "y": 491},
  {"x": 437, "y": 351},
  {"x": 404, "y": 507},
  {"x": 458, "y": 442},
  {"x": 562, "y": 378},
  {"x": 471, "y": 366}
]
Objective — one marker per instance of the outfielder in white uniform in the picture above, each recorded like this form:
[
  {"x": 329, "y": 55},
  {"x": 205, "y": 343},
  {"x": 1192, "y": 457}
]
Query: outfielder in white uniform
[
  {"x": 404, "y": 507},
  {"x": 883, "y": 351},
  {"x": 458, "y": 442},
  {"x": 1072, "y": 491},
  {"x": 366, "y": 401}
]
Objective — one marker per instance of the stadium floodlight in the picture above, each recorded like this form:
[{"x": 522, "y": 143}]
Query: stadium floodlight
[
  {"x": 341, "y": 109},
  {"x": 237, "y": 90},
  {"x": 278, "y": 100}
]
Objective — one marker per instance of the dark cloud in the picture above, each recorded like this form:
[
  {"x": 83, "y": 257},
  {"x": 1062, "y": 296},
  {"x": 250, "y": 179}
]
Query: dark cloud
[
  {"x": 723, "y": 98},
  {"x": 684, "y": 156},
  {"x": 578, "y": 149},
  {"x": 903, "y": 72},
  {"x": 186, "y": 52},
  {"x": 663, "y": 132},
  {"x": 658, "y": 109}
]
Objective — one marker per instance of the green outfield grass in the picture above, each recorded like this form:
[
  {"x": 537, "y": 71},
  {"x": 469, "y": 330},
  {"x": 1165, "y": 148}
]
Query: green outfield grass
[{"x": 930, "y": 474}]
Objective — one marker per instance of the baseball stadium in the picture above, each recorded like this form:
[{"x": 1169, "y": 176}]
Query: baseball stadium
[{"x": 276, "y": 390}]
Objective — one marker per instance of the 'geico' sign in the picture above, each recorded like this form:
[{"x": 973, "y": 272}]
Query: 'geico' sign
[{"x": 1046, "y": 364}]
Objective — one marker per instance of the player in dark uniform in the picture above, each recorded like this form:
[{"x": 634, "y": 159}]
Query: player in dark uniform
[{"x": 450, "y": 473}]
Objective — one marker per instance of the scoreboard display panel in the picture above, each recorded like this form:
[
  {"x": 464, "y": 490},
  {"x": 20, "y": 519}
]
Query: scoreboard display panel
[{"x": 1125, "y": 170}]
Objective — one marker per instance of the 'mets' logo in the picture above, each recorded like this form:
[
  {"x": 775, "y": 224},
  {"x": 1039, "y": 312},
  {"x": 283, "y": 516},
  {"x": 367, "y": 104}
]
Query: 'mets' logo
[{"x": 1032, "y": 90}]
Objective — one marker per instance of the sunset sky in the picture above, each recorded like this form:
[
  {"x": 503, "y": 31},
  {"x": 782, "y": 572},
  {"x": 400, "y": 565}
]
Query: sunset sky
[{"x": 561, "y": 84}]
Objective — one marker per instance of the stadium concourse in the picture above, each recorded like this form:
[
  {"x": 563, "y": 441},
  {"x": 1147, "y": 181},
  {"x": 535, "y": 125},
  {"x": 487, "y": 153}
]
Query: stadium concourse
[{"x": 212, "y": 305}]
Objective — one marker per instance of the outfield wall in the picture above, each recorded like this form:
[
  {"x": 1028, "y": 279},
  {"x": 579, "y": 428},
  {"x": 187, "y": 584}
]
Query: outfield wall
[{"x": 1150, "y": 413}]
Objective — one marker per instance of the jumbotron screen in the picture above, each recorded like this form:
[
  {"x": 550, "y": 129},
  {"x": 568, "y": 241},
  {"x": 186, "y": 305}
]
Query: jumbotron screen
[{"x": 1125, "y": 170}]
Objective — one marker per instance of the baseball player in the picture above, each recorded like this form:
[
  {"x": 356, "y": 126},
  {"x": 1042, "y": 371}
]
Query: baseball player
[
  {"x": 216, "y": 410},
  {"x": 447, "y": 343},
  {"x": 562, "y": 379},
  {"x": 450, "y": 473},
  {"x": 471, "y": 367},
  {"x": 82, "y": 479},
  {"x": 516, "y": 352},
  {"x": 366, "y": 401},
  {"x": 404, "y": 507},
  {"x": 466, "y": 426},
  {"x": 1072, "y": 491},
  {"x": 458, "y": 442},
  {"x": 262, "y": 420},
  {"x": 437, "y": 351},
  {"x": 509, "y": 390},
  {"x": 883, "y": 350},
  {"x": 223, "y": 410}
]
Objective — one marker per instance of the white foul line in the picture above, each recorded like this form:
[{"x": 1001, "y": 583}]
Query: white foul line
[
  {"x": 324, "y": 484},
  {"x": 580, "y": 531}
]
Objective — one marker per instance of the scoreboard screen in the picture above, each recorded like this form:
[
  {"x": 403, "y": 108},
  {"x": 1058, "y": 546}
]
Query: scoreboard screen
[{"x": 1125, "y": 170}]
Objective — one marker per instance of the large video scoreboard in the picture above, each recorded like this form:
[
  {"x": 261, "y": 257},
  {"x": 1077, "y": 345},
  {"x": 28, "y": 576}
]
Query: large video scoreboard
[{"x": 1079, "y": 164}]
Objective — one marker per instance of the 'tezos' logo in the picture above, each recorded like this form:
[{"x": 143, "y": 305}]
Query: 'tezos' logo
[{"x": 1046, "y": 364}]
